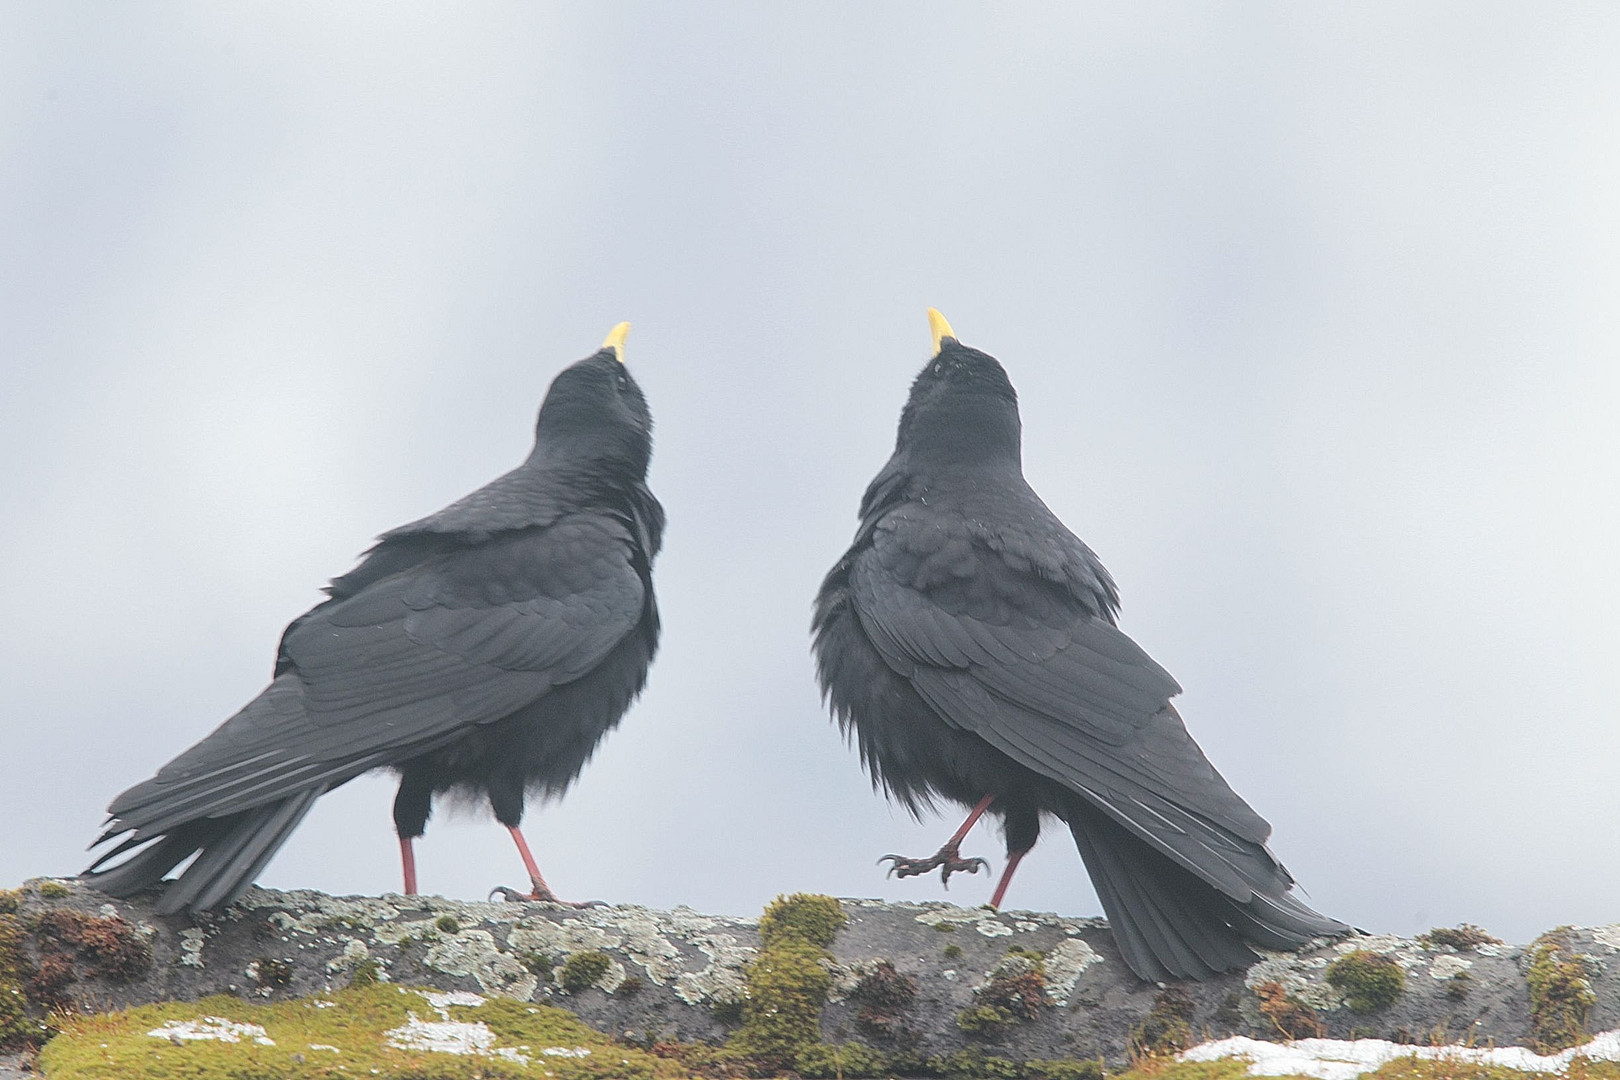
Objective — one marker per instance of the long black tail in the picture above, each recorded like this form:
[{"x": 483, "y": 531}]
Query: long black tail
[
  {"x": 1170, "y": 923},
  {"x": 232, "y": 850}
]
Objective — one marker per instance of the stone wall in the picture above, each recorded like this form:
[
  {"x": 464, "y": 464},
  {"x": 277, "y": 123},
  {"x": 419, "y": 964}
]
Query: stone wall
[{"x": 1016, "y": 984}]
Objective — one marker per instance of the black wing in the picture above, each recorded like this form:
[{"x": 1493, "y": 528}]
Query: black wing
[
  {"x": 1000, "y": 632},
  {"x": 407, "y": 662}
]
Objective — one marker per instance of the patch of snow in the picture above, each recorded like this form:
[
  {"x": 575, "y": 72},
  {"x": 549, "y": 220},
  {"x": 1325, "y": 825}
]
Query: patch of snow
[
  {"x": 1339, "y": 1059},
  {"x": 215, "y": 1028},
  {"x": 563, "y": 1051},
  {"x": 992, "y": 929},
  {"x": 323, "y": 1046}
]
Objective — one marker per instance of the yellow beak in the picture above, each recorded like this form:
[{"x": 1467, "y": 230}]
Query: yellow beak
[
  {"x": 615, "y": 340},
  {"x": 941, "y": 329}
]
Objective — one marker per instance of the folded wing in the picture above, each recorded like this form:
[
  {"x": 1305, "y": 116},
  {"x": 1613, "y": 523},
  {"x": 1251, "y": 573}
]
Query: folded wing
[
  {"x": 1017, "y": 658},
  {"x": 464, "y": 636}
]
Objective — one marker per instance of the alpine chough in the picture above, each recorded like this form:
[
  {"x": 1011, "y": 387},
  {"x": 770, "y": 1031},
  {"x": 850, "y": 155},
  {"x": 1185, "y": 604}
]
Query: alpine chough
[
  {"x": 967, "y": 644},
  {"x": 481, "y": 651}
]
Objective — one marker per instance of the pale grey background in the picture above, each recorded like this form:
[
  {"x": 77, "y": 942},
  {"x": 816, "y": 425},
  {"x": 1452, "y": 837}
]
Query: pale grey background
[{"x": 1312, "y": 308}]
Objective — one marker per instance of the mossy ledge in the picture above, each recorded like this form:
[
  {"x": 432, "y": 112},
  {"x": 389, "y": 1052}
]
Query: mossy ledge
[
  {"x": 1561, "y": 994},
  {"x": 851, "y": 987}
]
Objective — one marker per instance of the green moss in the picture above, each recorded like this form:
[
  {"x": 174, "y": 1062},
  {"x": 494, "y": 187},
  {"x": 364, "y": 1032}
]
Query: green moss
[
  {"x": 630, "y": 987},
  {"x": 10, "y": 900},
  {"x": 1036, "y": 1069},
  {"x": 1167, "y": 1028},
  {"x": 804, "y": 917},
  {"x": 823, "y": 1060},
  {"x": 984, "y": 1021},
  {"x": 788, "y": 981},
  {"x": 1458, "y": 985},
  {"x": 946, "y": 927},
  {"x": 787, "y": 986},
  {"x": 582, "y": 970},
  {"x": 855, "y": 1061},
  {"x": 448, "y": 924},
  {"x": 117, "y": 1044},
  {"x": 1462, "y": 938},
  {"x": 366, "y": 972},
  {"x": 1170, "y": 1069},
  {"x": 538, "y": 963},
  {"x": 1016, "y": 991},
  {"x": 1418, "y": 1069},
  {"x": 972, "y": 1064},
  {"x": 53, "y": 890},
  {"x": 953, "y": 951},
  {"x": 1369, "y": 981},
  {"x": 1560, "y": 995},
  {"x": 17, "y": 1027}
]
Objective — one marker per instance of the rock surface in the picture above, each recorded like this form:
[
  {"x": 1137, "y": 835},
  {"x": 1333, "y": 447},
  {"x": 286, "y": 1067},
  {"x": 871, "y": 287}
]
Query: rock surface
[{"x": 680, "y": 974}]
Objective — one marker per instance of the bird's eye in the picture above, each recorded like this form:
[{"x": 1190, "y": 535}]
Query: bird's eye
[{"x": 622, "y": 379}]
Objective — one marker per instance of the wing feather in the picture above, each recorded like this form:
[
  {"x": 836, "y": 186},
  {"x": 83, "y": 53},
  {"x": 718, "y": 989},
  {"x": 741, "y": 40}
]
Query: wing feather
[
  {"x": 408, "y": 662},
  {"x": 1037, "y": 672}
]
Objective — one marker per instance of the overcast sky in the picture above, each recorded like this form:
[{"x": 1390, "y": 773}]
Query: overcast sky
[{"x": 1312, "y": 310}]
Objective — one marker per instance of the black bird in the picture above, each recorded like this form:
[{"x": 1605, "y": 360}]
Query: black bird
[
  {"x": 967, "y": 643},
  {"x": 482, "y": 650}
]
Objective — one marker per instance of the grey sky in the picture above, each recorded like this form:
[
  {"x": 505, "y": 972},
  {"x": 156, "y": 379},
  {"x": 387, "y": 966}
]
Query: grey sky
[{"x": 1312, "y": 311}]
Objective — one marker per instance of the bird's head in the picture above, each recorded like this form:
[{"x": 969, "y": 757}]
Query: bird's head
[
  {"x": 962, "y": 407},
  {"x": 595, "y": 413}
]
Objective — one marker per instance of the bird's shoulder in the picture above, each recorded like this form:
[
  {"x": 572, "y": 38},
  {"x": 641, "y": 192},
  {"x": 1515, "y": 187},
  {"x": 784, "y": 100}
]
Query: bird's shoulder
[
  {"x": 527, "y": 496},
  {"x": 991, "y": 554},
  {"x": 581, "y": 563}
]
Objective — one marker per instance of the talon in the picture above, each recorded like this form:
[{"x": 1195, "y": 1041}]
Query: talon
[{"x": 541, "y": 895}]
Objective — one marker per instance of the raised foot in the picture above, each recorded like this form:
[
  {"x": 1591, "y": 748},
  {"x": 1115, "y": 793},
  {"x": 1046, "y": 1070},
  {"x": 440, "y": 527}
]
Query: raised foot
[
  {"x": 947, "y": 858},
  {"x": 542, "y": 895}
]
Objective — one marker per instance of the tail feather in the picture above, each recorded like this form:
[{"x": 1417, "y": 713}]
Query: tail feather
[
  {"x": 1168, "y": 922},
  {"x": 227, "y": 867},
  {"x": 147, "y": 867},
  {"x": 234, "y": 849}
]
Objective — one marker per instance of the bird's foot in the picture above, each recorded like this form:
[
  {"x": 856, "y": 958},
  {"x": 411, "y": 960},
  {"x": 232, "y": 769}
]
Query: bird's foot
[
  {"x": 947, "y": 859},
  {"x": 539, "y": 891}
]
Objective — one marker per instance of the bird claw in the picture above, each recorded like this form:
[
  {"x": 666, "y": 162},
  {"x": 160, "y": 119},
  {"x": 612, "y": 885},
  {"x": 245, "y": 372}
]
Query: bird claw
[
  {"x": 947, "y": 859},
  {"x": 507, "y": 894},
  {"x": 542, "y": 896}
]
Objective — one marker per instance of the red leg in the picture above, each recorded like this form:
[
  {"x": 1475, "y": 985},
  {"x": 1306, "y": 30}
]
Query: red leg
[
  {"x": 1013, "y": 859},
  {"x": 542, "y": 891},
  {"x": 948, "y": 858},
  {"x": 407, "y": 858},
  {"x": 972, "y": 819}
]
